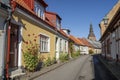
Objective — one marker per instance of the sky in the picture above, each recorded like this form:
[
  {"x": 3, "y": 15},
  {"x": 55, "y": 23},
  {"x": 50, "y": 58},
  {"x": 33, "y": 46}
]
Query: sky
[{"x": 78, "y": 14}]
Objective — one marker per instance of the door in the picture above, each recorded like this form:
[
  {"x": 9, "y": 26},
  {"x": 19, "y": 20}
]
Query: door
[{"x": 14, "y": 46}]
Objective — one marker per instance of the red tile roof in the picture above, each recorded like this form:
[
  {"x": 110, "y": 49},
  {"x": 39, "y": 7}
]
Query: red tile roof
[
  {"x": 54, "y": 14},
  {"x": 43, "y": 3},
  {"x": 27, "y": 8},
  {"x": 85, "y": 42},
  {"x": 23, "y": 4},
  {"x": 63, "y": 33},
  {"x": 75, "y": 40}
]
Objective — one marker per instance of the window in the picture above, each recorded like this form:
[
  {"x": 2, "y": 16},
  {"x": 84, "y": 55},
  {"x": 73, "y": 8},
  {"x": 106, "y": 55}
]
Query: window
[
  {"x": 44, "y": 43},
  {"x": 66, "y": 46},
  {"x": 39, "y": 10},
  {"x": 60, "y": 45},
  {"x": 58, "y": 24}
]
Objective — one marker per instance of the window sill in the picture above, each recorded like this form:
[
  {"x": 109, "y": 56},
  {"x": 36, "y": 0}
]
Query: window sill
[{"x": 44, "y": 51}]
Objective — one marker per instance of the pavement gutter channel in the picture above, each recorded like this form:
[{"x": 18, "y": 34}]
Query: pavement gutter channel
[{"x": 92, "y": 64}]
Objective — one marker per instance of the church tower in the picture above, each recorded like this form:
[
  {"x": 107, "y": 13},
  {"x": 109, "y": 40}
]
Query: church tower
[{"x": 91, "y": 35}]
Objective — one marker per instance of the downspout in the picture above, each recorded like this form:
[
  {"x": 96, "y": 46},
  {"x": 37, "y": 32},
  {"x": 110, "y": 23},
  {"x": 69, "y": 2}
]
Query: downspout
[
  {"x": 10, "y": 11},
  {"x": 4, "y": 42},
  {"x": 8, "y": 43}
]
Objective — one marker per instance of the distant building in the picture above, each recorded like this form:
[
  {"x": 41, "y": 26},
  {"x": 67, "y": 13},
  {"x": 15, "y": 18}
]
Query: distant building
[
  {"x": 91, "y": 35},
  {"x": 92, "y": 40}
]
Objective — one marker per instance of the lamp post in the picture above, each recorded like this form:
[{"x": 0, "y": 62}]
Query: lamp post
[{"x": 105, "y": 19}]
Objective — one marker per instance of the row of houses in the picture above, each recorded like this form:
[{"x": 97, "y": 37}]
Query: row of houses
[
  {"x": 27, "y": 21},
  {"x": 110, "y": 33}
]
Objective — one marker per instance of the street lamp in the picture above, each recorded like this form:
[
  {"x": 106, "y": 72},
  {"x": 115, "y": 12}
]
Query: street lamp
[{"x": 105, "y": 19}]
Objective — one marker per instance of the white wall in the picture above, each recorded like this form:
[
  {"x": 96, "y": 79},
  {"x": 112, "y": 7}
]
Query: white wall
[
  {"x": 2, "y": 36},
  {"x": 84, "y": 50},
  {"x": 62, "y": 43},
  {"x": 113, "y": 46}
]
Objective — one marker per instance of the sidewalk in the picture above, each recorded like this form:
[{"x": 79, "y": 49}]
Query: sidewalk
[
  {"x": 112, "y": 66},
  {"x": 33, "y": 75}
]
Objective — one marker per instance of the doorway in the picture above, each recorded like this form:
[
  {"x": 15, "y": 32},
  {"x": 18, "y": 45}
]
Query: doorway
[{"x": 14, "y": 46}]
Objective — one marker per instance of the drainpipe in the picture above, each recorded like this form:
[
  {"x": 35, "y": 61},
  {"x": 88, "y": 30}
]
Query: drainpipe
[
  {"x": 8, "y": 43},
  {"x": 5, "y": 52},
  {"x": 10, "y": 11}
]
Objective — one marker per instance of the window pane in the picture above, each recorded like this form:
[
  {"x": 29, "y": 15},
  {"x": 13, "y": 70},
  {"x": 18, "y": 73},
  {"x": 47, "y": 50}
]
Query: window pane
[{"x": 44, "y": 43}]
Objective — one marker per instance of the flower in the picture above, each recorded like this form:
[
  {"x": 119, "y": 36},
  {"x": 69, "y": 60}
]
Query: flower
[
  {"x": 35, "y": 40},
  {"x": 26, "y": 42},
  {"x": 28, "y": 35},
  {"x": 33, "y": 34}
]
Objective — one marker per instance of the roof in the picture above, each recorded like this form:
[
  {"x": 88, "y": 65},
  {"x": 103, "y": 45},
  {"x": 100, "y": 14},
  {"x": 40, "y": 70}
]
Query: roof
[
  {"x": 76, "y": 40},
  {"x": 96, "y": 44},
  {"x": 43, "y": 3},
  {"x": 111, "y": 16},
  {"x": 85, "y": 42},
  {"x": 27, "y": 8},
  {"x": 63, "y": 33},
  {"x": 54, "y": 14},
  {"x": 24, "y": 5}
]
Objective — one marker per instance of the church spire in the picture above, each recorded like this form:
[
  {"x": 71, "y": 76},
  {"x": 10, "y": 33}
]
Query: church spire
[{"x": 91, "y": 35}]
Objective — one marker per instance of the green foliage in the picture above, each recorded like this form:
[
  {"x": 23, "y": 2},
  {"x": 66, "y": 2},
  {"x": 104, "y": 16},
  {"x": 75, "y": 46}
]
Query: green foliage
[
  {"x": 49, "y": 61},
  {"x": 76, "y": 54},
  {"x": 64, "y": 57},
  {"x": 71, "y": 47},
  {"x": 30, "y": 61},
  {"x": 31, "y": 54},
  {"x": 91, "y": 51}
]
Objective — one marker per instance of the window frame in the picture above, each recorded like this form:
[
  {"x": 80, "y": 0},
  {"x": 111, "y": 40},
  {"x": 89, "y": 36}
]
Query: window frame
[
  {"x": 39, "y": 10},
  {"x": 43, "y": 43}
]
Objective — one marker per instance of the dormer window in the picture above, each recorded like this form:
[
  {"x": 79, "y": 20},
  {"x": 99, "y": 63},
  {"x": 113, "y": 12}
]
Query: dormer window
[
  {"x": 39, "y": 10},
  {"x": 58, "y": 24}
]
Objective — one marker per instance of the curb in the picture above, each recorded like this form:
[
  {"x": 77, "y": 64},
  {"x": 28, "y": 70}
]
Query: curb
[
  {"x": 46, "y": 70},
  {"x": 109, "y": 69}
]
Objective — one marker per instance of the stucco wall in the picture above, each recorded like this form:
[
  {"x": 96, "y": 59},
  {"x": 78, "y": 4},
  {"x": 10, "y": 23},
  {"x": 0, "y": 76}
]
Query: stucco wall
[{"x": 34, "y": 30}]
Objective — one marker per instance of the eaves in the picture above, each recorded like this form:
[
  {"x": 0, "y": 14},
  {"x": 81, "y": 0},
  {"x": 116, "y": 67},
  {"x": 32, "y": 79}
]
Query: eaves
[{"x": 38, "y": 21}]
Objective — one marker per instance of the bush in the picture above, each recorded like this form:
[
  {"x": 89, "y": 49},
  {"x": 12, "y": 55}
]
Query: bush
[
  {"x": 31, "y": 54},
  {"x": 64, "y": 57},
  {"x": 91, "y": 51},
  {"x": 76, "y": 54},
  {"x": 30, "y": 61},
  {"x": 49, "y": 61}
]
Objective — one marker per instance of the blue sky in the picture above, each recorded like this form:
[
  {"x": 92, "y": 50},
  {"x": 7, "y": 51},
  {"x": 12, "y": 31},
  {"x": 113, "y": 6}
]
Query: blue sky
[{"x": 78, "y": 14}]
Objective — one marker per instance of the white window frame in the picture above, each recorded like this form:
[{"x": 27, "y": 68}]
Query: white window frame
[
  {"x": 60, "y": 45},
  {"x": 39, "y": 10},
  {"x": 58, "y": 24},
  {"x": 42, "y": 44}
]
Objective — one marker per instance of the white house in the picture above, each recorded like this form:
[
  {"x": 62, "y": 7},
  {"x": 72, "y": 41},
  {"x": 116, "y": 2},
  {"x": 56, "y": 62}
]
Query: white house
[{"x": 61, "y": 36}]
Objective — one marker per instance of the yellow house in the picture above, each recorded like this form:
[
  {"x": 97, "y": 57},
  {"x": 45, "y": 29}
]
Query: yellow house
[{"x": 28, "y": 25}]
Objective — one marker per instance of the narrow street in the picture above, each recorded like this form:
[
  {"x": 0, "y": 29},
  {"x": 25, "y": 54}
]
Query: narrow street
[
  {"x": 79, "y": 69},
  {"x": 101, "y": 72},
  {"x": 84, "y": 68}
]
